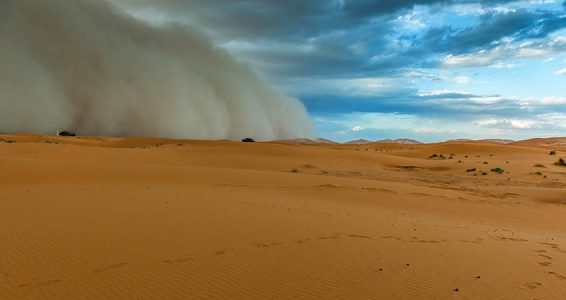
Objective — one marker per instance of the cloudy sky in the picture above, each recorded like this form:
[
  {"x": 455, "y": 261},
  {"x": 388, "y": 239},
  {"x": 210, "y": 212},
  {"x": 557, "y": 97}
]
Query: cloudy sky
[{"x": 425, "y": 69}]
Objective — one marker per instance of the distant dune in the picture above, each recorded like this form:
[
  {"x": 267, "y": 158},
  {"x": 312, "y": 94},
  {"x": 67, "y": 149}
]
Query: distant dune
[
  {"x": 400, "y": 141},
  {"x": 358, "y": 142},
  {"x": 498, "y": 141},
  {"x": 559, "y": 142},
  {"x": 151, "y": 218}
]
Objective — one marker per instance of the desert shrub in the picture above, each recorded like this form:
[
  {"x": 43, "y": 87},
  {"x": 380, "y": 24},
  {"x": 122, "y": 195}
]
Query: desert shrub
[
  {"x": 471, "y": 170},
  {"x": 561, "y": 162},
  {"x": 295, "y": 170},
  {"x": 497, "y": 170},
  {"x": 539, "y": 166},
  {"x": 553, "y": 152},
  {"x": 248, "y": 140},
  {"x": 66, "y": 133},
  {"x": 433, "y": 156}
]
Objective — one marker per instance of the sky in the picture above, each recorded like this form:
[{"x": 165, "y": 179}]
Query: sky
[{"x": 430, "y": 70}]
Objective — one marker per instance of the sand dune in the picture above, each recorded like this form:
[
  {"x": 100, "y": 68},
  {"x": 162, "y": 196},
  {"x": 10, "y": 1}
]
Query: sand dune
[{"x": 141, "y": 218}]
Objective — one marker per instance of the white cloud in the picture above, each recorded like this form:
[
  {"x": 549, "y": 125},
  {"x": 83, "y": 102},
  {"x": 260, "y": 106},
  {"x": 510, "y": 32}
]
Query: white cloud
[
  {"x": 509, "y": 123},
  {"x": 480, "y": 58},
  {"x": 440, "y": 93},
  {"x": 357, "y": 128},
  {"x": 561, "y": 72},
  {"x": 496, "y": 56},
  {"x": 462, "y": 79},
  {"x": 501, "y": 65}
]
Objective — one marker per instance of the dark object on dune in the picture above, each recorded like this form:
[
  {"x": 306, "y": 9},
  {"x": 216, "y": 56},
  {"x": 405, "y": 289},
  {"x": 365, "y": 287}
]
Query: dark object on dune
[
  {"x": 66, "y": 133},
  {"x": 248, "y": 140},
  {"x": 561, "y": 162},
  {"x": 498, "y": 170}
]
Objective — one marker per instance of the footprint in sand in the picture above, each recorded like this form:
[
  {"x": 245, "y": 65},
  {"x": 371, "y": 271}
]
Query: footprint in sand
[
  {"x": 267, "y": 245},
  {"x": 48, "y": 282},
  {"x": 511, "y": 239},
  {"x": 553, "y": 246},
  {"x": 532, "y": 285},
  {"x": 475, "y": 241},
  {"x": 223, "y": 251},
  {"x": 114, "y": 266},
  {"x": 428, "y": 241},
  {"x": 41, "y": 283},
  {"x": 336, "y": 236},
  {"x": 557, "y": 276},
  {"x": 358, "y": 236},
  {"x": 390, "y": 237}
]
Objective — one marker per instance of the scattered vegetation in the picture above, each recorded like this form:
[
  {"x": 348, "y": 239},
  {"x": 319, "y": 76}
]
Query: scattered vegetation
[
  {"x": 248, "y": 140},
  {"x": 485, "y": 163},
  {"x": 497, "y": 170},
  {"x": 539, "y": 166},
  {"x": 295, "y": 170},
  {"x": 483, "y": 173},
  {"x": 536, "y": 173},
  {"x": 471, "y": 170},
  {"x": 433, "y": 156},
  {"x": 552, "y": 152},
  {"x": 561, "y": 162}
]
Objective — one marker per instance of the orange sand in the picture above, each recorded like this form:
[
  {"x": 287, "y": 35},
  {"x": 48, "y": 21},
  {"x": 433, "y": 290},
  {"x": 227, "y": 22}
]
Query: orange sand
[{"x": 136, "y": 218}]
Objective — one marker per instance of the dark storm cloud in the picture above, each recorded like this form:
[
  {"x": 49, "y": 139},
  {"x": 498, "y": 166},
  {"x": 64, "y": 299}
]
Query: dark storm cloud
[
  {"x": 341, "y": 38},
  {"x": 287, "y": 20},
  {"x": 298, "y": 43}
]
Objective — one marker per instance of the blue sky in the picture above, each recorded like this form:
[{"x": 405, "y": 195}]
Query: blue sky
[{"x": 431, "y": 70}]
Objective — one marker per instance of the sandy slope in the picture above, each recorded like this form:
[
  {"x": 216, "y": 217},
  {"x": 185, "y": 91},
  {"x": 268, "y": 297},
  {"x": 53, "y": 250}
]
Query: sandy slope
[{"x": 107, "y": 218}]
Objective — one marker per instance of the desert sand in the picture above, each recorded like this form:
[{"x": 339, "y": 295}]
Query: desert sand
[{"x": 142, "y": 218}]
